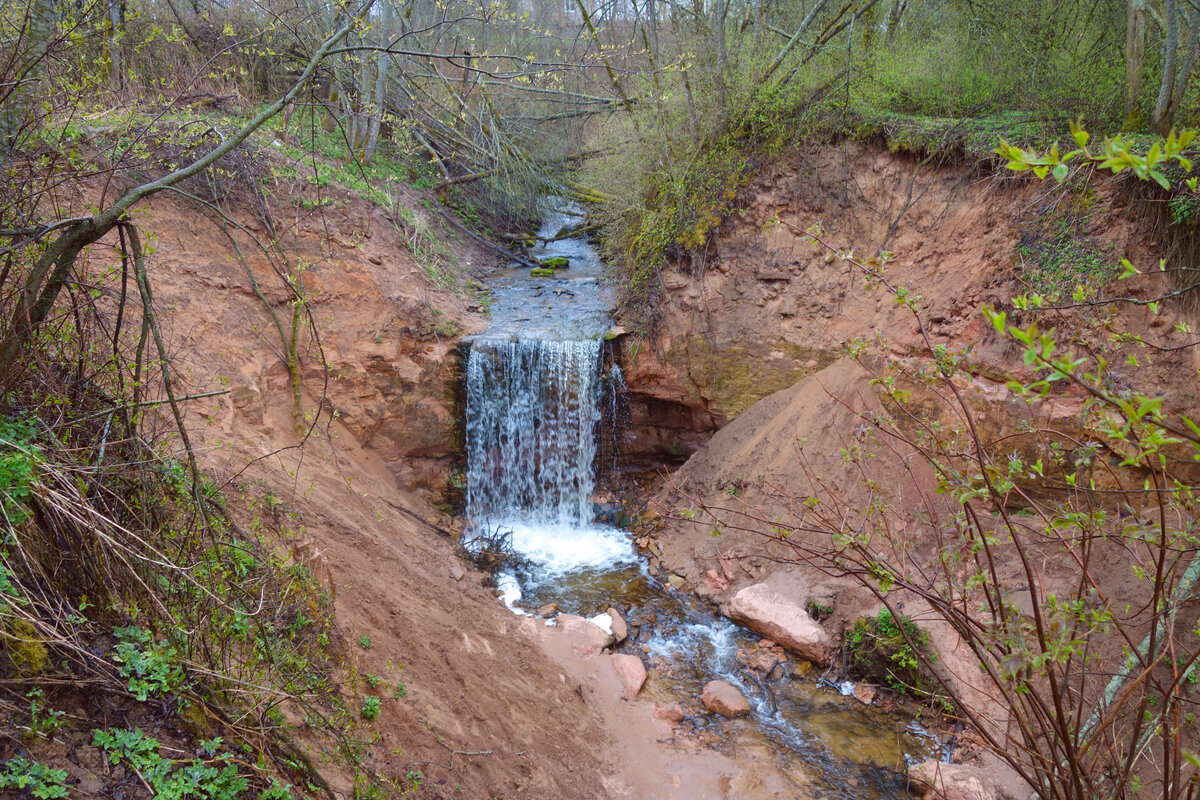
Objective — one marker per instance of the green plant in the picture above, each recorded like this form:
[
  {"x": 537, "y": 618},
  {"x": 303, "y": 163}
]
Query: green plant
[
  {"x": 149, "y": 666},
  {"x": 818, "y": 611},
  {"x": 371, "y": 707},
  {"x": 364, "y": 642},
  {"x": 213, "y": 779},
  {"x": 43, "y": 723},
  {"x": 18, "y": 457},
  {"x": 1184, "y": 208},
  {"x": 887, "y": 650},
  {"x": 34, "y": 777}
]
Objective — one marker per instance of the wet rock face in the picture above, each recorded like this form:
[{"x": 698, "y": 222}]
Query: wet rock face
[
  {"x": 400, "y": 402},
  {"x": 723, "y": 698},
  {"x": 783, "y": 619},
  {"x": 668, "y": 420}
]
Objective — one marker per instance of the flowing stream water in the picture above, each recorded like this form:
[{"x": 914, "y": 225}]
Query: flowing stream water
[{"x": 537, "y": 383}]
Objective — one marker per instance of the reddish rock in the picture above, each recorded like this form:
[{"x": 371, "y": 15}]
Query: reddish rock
[
  {"x": 726, "y": 568},
  {"x": 717, "y": 582},
  {"x": 548, "y": 610},
  {"x": 619, "y": 628},
  {"x": 936, "y": 780},
  {"x": 631, "y": 672},
  {"x": 585, "y": 636},
  {"x": 723, "y": 698},
  {"x": 864, "y": 693},
  {"x": 673, "y": 713},
  {"x": 760, "y": 608}
]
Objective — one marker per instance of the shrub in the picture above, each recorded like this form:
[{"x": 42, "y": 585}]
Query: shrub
[
  {"x": 150, "y": 667},
  {"x": 883, "y": 649},
  {"x": 39, "y": 780}
]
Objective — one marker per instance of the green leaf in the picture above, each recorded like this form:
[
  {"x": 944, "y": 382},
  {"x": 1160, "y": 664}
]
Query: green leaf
[
  {"x": 1077, "y": 131},
  {"x": 1060, "y": 172}
]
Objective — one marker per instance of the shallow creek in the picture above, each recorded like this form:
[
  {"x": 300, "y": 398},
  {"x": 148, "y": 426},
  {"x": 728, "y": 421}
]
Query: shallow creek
[{"x": 538, "y": 381}]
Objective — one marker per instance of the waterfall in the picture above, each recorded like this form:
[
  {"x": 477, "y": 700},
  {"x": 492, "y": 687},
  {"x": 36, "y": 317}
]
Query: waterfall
[
  {"x": 534, "y": 408},
  {"x": 532, "y": 411}
]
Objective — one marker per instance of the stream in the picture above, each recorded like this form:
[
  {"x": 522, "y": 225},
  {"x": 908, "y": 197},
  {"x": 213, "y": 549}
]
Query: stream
[{"x": 538, "y": 383}]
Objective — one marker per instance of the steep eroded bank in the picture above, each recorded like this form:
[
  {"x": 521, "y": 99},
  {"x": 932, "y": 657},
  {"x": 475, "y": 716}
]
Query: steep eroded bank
[
  {"x": 348, "y": 502},
  {"x": 754, "y": 336}
]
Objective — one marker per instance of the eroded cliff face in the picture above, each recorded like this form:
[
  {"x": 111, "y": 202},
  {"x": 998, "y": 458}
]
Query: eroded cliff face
[
  {"x": 764, "y": 308},
  {"x": 386, "y": 364},
  {"x": 770, "y": 312}
]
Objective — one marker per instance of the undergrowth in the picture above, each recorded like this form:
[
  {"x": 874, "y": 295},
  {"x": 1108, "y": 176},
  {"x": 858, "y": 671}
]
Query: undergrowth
[{"x": 884, "y": 649}]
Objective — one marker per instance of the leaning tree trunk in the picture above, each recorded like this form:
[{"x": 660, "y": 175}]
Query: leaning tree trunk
[
  {"x": 381, "y": 73},
  {"x": 1135, "y": 55},
  {"x": 1175, "y": 74},
  {"x": 32, "y": 46}
]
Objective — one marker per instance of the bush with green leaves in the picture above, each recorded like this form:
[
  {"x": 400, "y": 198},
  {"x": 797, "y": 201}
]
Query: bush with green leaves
[
  {"x": 18, "y": 457},
  {"x": 150, "y": 667},
  {"x": 888, "y": 650},
  {"x": 216, "y": 777},
  {"x": 1064, "y": 555},
  {"x": 370, "y": 708},
  {"x": 34, "y": 777}
]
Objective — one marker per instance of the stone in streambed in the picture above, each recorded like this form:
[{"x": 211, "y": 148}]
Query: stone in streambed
[
  {"x": 619, "y": 629},
  {"x": 586, "y": 637},
  {"x": 723, "y": 698},
  {"x": 764, "y": 610},
  {"x": 631, "y": 672},
  {"x": 556, "y": 262},
  {"x": 864, "y": 694}
]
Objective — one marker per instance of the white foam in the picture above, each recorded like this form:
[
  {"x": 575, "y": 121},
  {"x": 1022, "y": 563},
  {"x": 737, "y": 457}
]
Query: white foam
[
  {"x": 603, "y": 622},
  {"x": 563, "y": 548},
  {"x": 510, "y": 592}
]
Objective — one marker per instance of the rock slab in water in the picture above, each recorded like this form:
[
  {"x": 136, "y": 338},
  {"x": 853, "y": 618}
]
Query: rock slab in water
[
  {"x": 723, "y": 698},
  {"x": 764, "y": 610},
  {"x": 631, "y": 672},
  {"x": 936, "y": 780},
  {"x": 586, "y": 638}
]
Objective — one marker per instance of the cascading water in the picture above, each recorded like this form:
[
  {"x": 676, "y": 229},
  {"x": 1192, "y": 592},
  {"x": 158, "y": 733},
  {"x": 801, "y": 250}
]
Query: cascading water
[
  {"x": 533, "y": 410},
  {"x": 538, "y": 389},
  {"x": 531, "y": 445}
]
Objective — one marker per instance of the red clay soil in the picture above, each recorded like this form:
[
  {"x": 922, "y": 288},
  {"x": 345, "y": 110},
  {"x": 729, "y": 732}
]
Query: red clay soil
[{"x": 494, "y": 704}]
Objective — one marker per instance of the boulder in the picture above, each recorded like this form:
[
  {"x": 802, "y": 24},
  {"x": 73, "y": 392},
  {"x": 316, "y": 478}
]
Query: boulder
[
  {"x": 936, "y": 780},
  {"x": 631, "y": 672},
  {"x": 619, "y": 628},
  {"x": 724, "y": 698},
  {"x": 586, "y": 638},
  {"x": 764, "y": 610}
]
